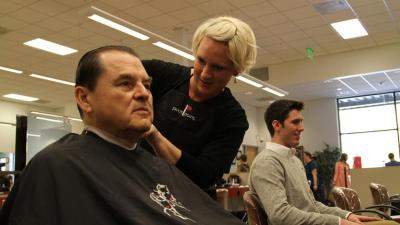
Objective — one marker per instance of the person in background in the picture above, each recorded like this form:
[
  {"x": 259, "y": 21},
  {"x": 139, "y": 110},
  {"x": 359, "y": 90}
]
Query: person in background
[
  {"x": 277, "y": 176},
  {"x": 311, "y": 168},
  {"x": 392, "y": 162},
  {"x": 102, "y": 177},
  {"x": 198, "y": 124},
  {"x": 243, "y": 166},
  {"x": 341, "y": 177}
]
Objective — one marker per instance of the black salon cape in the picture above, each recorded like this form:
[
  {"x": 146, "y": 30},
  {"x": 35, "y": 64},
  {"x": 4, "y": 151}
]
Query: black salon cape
[{"x": 84, "y": 180}]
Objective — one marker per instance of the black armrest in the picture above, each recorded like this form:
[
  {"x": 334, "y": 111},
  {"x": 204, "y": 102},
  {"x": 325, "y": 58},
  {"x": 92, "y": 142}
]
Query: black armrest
[
  {"x": 379, "y": 213},
  {"x": 385, "y": 206}
]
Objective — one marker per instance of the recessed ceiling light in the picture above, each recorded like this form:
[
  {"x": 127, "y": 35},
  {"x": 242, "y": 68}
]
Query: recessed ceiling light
[
  {"x": 350, "y": 28},
  {"x": 338, "y": 89},
  {"x": 21, "y": 97},
  {"x": 248, "y": 93},
  {"x": 248, "y": 81},
  {"x": 52, "y": 79},
  {"x": 10, "y": 70},
  {"x": 173, "y": 50},
  {"x": 119, "y": 27},
  {"x": 49, "y": 46}
]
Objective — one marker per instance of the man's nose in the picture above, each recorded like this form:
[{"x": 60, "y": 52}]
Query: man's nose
[{"x": 141, "y": 92}]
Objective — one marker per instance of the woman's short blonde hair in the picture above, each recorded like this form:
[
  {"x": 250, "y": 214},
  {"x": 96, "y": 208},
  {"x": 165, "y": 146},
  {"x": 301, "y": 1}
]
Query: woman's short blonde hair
[{"x": 237, "y": 34}]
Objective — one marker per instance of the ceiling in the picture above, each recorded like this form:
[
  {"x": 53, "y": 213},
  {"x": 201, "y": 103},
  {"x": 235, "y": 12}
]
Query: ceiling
[{"x": 283, "y": 28}]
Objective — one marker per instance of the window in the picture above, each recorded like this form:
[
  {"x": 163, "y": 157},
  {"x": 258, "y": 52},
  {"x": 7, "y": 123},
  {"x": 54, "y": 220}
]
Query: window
[{"x": 369, "y": 128}]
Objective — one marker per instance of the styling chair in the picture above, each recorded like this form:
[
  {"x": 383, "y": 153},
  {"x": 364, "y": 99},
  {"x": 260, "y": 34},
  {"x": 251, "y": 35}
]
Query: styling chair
[
  {"x": 255, "y": 212},
  {"x": 381, "y": 197},
  {"x": 347, "y": 199}
]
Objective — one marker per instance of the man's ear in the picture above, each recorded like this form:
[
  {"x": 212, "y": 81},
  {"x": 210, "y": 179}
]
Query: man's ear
[
  {"x": 276, "y": 125},
  {"x": 82, "y": 97}
]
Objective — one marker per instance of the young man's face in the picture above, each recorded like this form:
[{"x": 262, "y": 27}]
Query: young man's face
[{"x": 288, "y": 133}]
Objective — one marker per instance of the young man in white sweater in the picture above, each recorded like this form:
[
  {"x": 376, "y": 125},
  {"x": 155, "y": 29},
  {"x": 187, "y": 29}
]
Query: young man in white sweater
[{"x": 278, "y": 176}]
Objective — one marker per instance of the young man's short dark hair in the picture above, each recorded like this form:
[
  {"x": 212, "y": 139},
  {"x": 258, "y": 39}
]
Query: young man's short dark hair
[{"x": 279, "y": 110}]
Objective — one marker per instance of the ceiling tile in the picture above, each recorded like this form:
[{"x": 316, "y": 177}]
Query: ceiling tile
[
  {"x": 259, "y": 9},
  {"x": 24, "y": 2},
  {"x": 326, "y": 38},
  {"x": 310, "y": 22},
  {"x": 370, "y": 9},
  {"x": 375, "y": 19},
  {"x": 27, "y": 15},
  {"x": 294, "y": 36},
  {"x": 17, "y": 37},
  {"x": 8, "y": 6},
  {"x": 215, "y": 8},
  {"x": 11, "y": 23},
  {"x": 362, "y": 42},
  {"x": 123, "y": 4},
  {"x": 36, "y": 31},
  {"x": 241, "y": 3},
  {"x": 48, "y": 7},
  {"x": 170, "y": 5},
  {"x": 271, "y": 40},
  {"x": 188, "y": 14},
  {"x": 270, "y": 20},
  {"x": 54, "y": 24},
  {"x": 284, "y": 28},
  {"x": 321, "y": 30},
  {"x": 355, "y": 3},
  {"x": 144, "y": 11},
  {"x": 393, "y": 4},
  {"x": 301, "y": 13},
  {"x": 163, "y": 21},
  {"x": 283, "y": 5}
]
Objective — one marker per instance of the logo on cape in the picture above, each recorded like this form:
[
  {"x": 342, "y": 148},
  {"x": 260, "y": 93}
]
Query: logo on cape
[{"x": 162, "y": 196}]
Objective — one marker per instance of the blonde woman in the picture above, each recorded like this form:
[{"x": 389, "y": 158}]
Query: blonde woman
[{"x": 198, "y": 124}]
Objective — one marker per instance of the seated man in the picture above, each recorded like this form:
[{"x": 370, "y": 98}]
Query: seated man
[
  {"x": 279, "y": 179},
  {"x": 392, "y": 162},
  {"x": 101, "y": 176}
]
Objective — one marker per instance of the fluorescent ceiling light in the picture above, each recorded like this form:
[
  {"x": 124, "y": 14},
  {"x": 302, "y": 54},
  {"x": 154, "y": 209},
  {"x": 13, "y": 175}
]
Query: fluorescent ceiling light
[
  {"x": 117, "y": 26},
  {"x": 52, "y": 79},
  {"x": 174, "y": 50},
  {"x": 49, "y": 46},
  {"x": 350, "y": 28},
  {"x": 75, "y": 119},
  {"x": 33, "y": 135},
  {"x": 21, "y": 97},
  {"x": 272, "y": 91},
  {"x": 50, "y": 120},
  {"x": 46, "y": 114},
  {"x": 6, "y": 124},
  {"x": 248, "y": 81},
  {"x": 10, "y": 70}
]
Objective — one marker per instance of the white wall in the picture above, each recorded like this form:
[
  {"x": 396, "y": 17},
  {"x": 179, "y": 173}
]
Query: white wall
[
  {"x": 320, "y": 124},
  {"x": 250, "y": 137}
]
